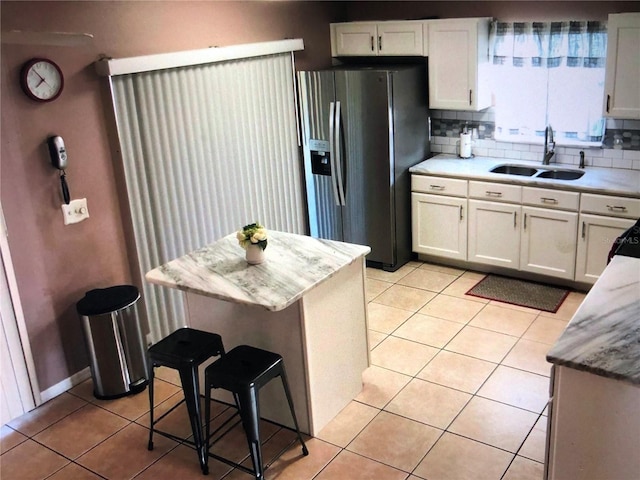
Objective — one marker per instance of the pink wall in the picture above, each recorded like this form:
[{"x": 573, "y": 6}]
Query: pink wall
[{"x": 55, "y": 264}]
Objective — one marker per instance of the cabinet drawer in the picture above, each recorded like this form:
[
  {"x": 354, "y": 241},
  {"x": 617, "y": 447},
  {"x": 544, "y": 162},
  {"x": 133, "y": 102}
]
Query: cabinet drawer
[
  {"x": 439, "y": 185},
  {"x": 495, "y": 191},
  {"x": 543, "y": 197},
  {"x": 611, "y": 206}
]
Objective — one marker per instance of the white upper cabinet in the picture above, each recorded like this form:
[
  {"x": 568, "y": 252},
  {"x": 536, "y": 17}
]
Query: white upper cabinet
[
  {"x": 377, "y": 38},
  {"x": 622, "y": 78},
  {"x": 458, "y": 62}
]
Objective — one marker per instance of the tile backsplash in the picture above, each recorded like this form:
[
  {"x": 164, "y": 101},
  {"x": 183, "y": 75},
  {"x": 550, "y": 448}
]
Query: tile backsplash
[{"x": 446, "y": 126}]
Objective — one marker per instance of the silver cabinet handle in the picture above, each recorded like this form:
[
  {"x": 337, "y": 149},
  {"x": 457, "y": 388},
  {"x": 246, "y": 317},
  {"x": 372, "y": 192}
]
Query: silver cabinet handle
[
  {"x": 470, "y": 97},
  {"x": 515, "y": 223},
  {"x": 373, "y": 47},
  {"x": 616, "y": 208},
  {"x": 584, "y": 226},
  {"x": 437, "y": 187},
  {"x": 553, "y": 201},
  {"x": 524, "y": 222},
  {"x": 461, "y": 215},
  {"x": 379, "y": 43},
  {"x": 493, "y": 194}
]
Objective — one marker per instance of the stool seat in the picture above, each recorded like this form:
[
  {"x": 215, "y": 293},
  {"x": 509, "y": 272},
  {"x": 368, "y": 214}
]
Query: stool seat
[
  {"x": 184, "y": 350},
  {"x": 243, "y": 371}
]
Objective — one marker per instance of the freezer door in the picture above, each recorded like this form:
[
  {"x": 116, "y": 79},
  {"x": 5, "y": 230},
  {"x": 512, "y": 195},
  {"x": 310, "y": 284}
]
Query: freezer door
[
  {"x": 317, "y": 104},
  {"x": 367, "y": 168}
]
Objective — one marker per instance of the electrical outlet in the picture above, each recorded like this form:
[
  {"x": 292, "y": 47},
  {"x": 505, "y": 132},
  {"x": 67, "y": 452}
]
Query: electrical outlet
[{"x": 76, "y": 211}]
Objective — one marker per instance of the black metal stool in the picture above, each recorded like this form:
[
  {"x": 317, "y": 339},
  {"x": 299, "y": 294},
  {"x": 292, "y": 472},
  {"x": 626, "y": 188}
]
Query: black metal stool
[
  {"x": 243, "y": 371},
  {"x": 184, "y": 350}
]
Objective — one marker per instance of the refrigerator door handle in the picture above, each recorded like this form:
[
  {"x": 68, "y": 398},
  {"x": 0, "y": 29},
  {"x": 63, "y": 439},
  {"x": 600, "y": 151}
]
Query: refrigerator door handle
[
  {"x": 338, "y": 156},
  {"x": 332, "y": 152}
]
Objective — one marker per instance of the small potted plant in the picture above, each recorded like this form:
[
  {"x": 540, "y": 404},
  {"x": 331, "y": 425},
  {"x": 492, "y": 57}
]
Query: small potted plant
[{"x": 253, "y": 238}]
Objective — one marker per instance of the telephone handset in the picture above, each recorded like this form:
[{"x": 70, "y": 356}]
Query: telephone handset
[{"x": 58, "y": 154}]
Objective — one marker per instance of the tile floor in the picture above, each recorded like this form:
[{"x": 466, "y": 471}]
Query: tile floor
[{"x": 457, "y": 390}]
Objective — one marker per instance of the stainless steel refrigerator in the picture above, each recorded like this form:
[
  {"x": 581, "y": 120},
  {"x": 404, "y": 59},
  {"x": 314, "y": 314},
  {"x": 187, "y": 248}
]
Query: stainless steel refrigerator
[{"x": 363, "y": 127}]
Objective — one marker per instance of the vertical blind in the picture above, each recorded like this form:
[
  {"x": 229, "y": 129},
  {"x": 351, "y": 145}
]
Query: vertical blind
[{"x": 206, "y": 149}]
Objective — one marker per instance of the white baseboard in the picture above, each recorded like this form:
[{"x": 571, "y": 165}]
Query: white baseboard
[{"x": 61, "y": 387}]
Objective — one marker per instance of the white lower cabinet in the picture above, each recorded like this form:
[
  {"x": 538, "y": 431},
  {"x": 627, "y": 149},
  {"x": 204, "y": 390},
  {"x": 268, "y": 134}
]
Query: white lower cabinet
[
  {"x": 597, "y": 235},
  {"x": 439, "y": 225},
  {"x": 548, "y": 242},
  {"x": 494, "y": 233}
]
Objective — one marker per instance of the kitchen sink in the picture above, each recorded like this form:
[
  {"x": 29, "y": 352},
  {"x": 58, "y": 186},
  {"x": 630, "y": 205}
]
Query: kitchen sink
[
  {"x": 514, "y": 170},
  {"x": 561, "y": 174}
]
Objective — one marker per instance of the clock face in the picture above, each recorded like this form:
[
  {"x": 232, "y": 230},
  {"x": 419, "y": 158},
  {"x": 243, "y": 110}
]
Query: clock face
[{"x": 42, "y": 80}]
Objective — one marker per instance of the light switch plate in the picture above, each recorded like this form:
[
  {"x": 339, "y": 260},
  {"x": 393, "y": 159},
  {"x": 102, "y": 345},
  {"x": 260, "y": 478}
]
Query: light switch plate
[{"x": 76, "y": 211}]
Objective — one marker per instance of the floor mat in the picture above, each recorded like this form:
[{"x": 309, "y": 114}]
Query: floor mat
[{"x": 520, "y": 292}]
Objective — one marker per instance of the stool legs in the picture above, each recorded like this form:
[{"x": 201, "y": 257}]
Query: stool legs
[
  {"x": 189, "y": 379},
  {"x": 150, "y": 377},
  {"x": 285, "y": 384},
  {"x": 250, "y": 414}
]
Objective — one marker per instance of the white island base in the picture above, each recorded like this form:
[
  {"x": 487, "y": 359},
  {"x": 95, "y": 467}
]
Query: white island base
[{"x": 322, "y": 338}]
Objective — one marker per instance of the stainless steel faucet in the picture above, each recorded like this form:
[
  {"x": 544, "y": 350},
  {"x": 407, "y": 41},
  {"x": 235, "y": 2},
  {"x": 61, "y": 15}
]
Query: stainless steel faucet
[{"x": 549, "y": 145}]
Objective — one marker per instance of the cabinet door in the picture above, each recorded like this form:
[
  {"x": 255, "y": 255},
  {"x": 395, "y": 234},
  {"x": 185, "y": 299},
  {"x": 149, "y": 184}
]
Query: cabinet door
[
  {"x": 400, "y": 38},
  {"x": 458, "y": 51},
  {"x": 597, "y": 235},
  {"x": 439, "y": 225},
  {"x": 494, "y": 233},
  {"x": 358, "y": 38},
  {"x": 622, "y": 75},
  {"x": 548, "y": 242}
]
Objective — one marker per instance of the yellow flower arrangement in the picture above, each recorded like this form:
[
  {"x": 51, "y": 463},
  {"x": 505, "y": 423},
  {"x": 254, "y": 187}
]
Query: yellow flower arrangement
[{"x": 252, "y": 234}]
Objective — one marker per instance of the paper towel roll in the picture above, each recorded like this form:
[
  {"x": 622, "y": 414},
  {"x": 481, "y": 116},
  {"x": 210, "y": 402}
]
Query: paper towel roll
[{"x": 465, "y": 145}]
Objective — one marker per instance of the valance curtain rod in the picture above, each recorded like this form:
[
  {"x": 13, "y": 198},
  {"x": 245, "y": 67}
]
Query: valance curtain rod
[{"x": 146, "y": 63}]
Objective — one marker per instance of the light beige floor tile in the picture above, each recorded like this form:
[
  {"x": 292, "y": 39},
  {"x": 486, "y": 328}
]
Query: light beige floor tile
[
  {"x": 545, "y": 330},
  {"x": 459, "y": 458},
  {"x": 124, "y": 454},
  {"x": 376, "y": 287},
  {"x": 395, "y": 441},
  {"x": 529, "y": 356},
  {"x": 47, "y": 414},
  {"x": 461, "y": 286},
  {"x": 292, "y": 465},
  {"x": 80, "y": 431},
  {"x": 30, "y": 461},
  {"x": 482, "y": 344},
  {"x": 452, "y": 308},
  {"x": 427, "y": 280},
  {"x": 519, "y": 308},
  {"x": 503, "y": 320},
  {"x": 568, "y": 307},
  {"x": 10, "y": 438},
  {"x": 347, "y": 424},
  {"x": 402, "y": 355},
  {"x": 428, "y": 403},
  {"x": 170, "y": 375},
  {"x": 350, "y": 466},
  {"x": 442, "y": 269},
  {"x": 477, "y": 276},
  {"x": 182, "y": 463},
  {"x": 134, "y": 406},
  {"x": 493, "y": 423},
  {"x": 380, "y": 385},
  {"x": 457, "y": 371},
  {"x": 385, "y": 319},
  {"x": 428, "y": 330},
  {"x": 84, "y": 390},
  {"x": 406, "y": 298},
  {"x": 392, "y": 277},
  {"x": 534, "y": 446},
  {"x": 517, "y": 388},
  {"x": 524, "y": 469},
  {"x": 375, "y": 338}
]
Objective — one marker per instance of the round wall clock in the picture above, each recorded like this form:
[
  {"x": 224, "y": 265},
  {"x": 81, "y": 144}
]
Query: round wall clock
[{"x": 41, "y": 79}]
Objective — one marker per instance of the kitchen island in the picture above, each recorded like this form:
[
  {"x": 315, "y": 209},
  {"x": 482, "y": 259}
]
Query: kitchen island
[
  {"x": 306, "y": 302},
  {"x": 594, "y": 422}
]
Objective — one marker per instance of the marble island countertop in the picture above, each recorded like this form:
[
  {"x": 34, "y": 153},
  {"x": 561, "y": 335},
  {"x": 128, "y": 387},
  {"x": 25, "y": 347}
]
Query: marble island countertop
[
  {"x": 294, "y": 265},
  {"x": 603, "y": 337},
  {"x": 610, "y": 181}
]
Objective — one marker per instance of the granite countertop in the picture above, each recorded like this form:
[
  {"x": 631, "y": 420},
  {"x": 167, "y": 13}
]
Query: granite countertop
[
  {"x": 603, "y": 337},
  {"x": 609, "y": 181},
  {"x": 294, "y": 265}
]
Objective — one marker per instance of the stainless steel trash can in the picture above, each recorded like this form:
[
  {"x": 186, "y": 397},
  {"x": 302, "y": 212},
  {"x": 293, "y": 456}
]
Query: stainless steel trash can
[{"x": 117, "y": 353}]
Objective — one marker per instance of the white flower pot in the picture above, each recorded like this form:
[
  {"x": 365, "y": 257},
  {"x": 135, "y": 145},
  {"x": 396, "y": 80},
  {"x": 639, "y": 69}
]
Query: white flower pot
[{"x": 255, "y": 254}]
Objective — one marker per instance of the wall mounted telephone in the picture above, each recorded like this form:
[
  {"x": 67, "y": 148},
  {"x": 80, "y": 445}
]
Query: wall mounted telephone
[{"x": 59, "y": 159}]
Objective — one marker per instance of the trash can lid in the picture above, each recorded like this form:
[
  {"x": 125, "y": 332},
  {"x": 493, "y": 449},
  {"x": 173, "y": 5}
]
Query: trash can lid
[{"x": 106, "y": 300}]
